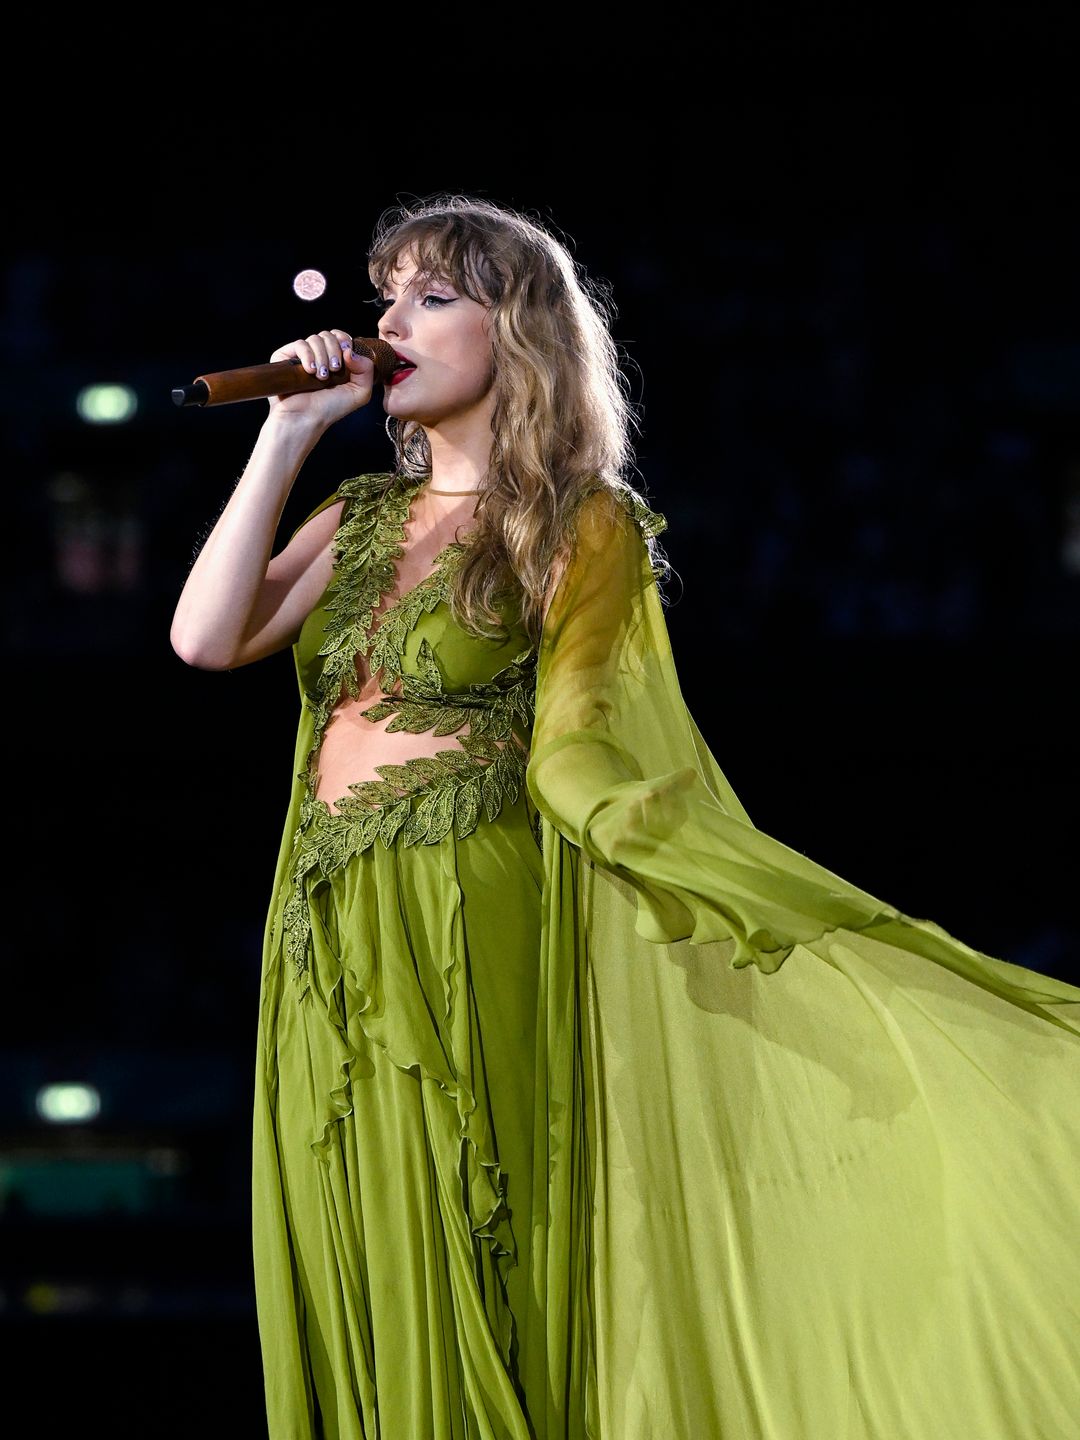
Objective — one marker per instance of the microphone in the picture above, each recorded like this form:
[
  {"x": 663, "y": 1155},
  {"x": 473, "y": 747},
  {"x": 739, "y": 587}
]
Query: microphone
[{"x": 278, "y": 377}]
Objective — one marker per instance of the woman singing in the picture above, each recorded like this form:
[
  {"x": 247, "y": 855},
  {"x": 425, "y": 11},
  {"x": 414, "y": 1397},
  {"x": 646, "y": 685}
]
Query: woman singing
[{"x": 585, "y": 1110}]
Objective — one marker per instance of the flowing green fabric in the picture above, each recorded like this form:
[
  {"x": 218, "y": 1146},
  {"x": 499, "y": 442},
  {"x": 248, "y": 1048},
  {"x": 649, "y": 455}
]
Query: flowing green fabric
[{"x": 654, "y": 1129}]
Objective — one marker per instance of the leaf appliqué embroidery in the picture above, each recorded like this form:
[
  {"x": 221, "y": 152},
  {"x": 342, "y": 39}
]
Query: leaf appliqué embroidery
[{"x": 424, "y": 798}]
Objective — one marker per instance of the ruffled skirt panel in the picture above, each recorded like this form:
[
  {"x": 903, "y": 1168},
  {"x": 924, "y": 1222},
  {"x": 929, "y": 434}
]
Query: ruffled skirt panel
[{"x": 401, "y": 1150}]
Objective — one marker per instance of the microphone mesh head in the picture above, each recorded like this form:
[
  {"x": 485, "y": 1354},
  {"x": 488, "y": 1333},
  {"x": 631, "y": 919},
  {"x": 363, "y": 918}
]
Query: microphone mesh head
[{"x": 382, "y": 354}]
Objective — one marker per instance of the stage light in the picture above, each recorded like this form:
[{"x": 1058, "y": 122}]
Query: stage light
[
  {"x": 106, "y": 404},
  {"x": 68, "y": 1104},
  {"x": 309, "y": 284}
]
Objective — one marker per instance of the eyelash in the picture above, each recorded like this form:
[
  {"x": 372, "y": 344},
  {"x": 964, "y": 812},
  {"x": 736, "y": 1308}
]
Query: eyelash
[{"x": 381, "y": 303}]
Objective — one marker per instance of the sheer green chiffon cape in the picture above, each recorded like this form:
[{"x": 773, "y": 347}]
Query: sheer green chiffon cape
[{"x": 814, "y": 1164}]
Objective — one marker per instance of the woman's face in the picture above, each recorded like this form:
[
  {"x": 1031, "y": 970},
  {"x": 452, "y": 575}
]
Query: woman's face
[{"x": 447, "y": 336}]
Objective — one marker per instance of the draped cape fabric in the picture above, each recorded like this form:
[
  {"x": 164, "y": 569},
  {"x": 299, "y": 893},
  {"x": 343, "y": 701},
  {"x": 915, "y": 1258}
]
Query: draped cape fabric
[
  {"x": 834, "y": 1152},
  {"x": 812, "y": 1165}
]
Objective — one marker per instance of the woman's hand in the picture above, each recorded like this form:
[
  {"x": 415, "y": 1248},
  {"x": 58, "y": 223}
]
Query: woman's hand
[
  {"x": 326, "y": 354},
  {"x": 240, "y": 602}
]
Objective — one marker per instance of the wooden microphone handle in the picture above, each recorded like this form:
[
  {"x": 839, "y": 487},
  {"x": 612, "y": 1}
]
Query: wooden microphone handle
[{"x": 279, "y": 377}]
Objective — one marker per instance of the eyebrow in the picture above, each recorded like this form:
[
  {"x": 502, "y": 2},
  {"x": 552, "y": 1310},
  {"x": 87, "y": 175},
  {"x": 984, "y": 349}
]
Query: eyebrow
[{"x": 422, "y": 279}]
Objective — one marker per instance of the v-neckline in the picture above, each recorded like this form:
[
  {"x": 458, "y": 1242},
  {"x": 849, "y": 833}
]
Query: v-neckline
[{"x": 392, "y": 551}]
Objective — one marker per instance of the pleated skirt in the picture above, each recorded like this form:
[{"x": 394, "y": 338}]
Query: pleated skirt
[{"x": 397, "y": 1118}]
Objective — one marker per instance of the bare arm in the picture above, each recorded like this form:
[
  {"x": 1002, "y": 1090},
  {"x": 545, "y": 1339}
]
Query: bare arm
[{"x": 238, "y": 604}]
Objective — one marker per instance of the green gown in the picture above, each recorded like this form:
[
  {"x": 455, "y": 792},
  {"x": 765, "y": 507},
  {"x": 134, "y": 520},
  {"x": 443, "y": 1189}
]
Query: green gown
[{"x": 587, "y": 1111}]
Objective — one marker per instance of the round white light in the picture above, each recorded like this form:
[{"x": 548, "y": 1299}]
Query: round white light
[{"x": 309, "y": 284}]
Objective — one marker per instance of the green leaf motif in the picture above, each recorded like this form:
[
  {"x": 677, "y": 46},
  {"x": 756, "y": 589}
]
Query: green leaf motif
[{"x": 423, "y": 799}]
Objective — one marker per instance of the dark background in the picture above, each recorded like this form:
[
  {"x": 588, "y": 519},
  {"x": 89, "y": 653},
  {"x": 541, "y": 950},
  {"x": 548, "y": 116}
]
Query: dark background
[{"x": 851, "y": 318}]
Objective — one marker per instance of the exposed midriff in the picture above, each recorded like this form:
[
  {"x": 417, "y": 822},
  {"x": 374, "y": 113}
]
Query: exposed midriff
[{"x": 353, "y": 746}]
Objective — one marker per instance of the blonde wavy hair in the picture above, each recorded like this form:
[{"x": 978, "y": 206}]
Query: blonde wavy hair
[{"x": 562, "y": 418}]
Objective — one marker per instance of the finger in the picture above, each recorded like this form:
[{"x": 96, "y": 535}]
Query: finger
[
  {"x": 323, "y": 349},
  {"x": 332, "y": 345},
  {"x": 344, "y": 347},
  {"x": 295, "y": 350}
]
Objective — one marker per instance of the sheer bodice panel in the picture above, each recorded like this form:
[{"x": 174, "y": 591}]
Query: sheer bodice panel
[
  {"x": 413, "y": 727},
  {"x": 393, "y": 680},
  {"x": 355, "y": 741}
]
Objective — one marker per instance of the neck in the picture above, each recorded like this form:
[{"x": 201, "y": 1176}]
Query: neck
[{"x": 460, "y": 447}]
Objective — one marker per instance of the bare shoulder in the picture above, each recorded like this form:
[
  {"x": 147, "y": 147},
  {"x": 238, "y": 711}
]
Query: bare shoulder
[
  {"x": 322, "y": 524},
  {"x": 295, "y": 579},
  {"x": 310, "y": 545}
]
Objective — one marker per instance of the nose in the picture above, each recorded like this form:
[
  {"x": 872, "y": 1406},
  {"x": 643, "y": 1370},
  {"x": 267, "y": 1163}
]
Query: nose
[{"x": 391, "y": 321}]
